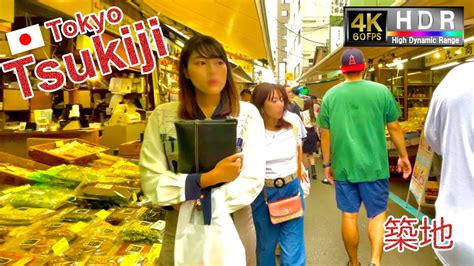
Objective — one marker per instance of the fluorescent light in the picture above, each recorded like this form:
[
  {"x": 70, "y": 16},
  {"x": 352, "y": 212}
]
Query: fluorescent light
[
  {"x": 180, "y": 43},
  {"x": 414, "y": 73},
  {"x": 425, "y": 54},
  {"x": 445, "y": 65},
  {"x": 397, "y": 62},
  {"x": 178, "y": 32},
  {"x": 469, "y": 39},
  {"x": 400, "y": 66}
]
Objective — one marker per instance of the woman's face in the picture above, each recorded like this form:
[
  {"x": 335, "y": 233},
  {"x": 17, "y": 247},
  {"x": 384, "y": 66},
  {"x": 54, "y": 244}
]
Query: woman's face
[
  {"x": 208, "y": 75},
  {"x": 273, "y": 106}
]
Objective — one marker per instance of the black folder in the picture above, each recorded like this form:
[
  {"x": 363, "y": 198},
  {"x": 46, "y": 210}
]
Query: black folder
[{"x": 203, "y": 143}]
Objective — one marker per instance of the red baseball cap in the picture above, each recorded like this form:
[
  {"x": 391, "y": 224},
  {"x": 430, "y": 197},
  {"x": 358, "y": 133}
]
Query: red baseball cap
[{"x": 352, "y": 60}]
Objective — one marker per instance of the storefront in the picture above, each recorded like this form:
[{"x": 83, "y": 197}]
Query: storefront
[{"x": 70, "y": 187}]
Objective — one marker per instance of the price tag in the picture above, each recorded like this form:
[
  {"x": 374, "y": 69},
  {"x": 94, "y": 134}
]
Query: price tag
[
  {"x": 130, "y": 260},
  {"x": 59, "y": 143},
  {"x": 78, "y": 227},
  {"x": 134, "y": 197},
  {"x": 61, "y": 246},
  {"x": 103, "y": 214},
  {"x": 154, "y": 252}
]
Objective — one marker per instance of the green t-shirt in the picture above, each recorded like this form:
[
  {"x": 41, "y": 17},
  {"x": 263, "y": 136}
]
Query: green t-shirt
[{"x": 356, "y": 113}]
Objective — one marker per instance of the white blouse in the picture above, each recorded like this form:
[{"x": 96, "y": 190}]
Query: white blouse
[
  {"x": 281, "y": 153},
  {"x": 164, "y": 187}
]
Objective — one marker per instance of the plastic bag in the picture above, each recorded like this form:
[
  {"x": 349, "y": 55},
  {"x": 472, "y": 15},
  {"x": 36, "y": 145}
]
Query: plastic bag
[
  {"x": 117, "y": 195},
  {"x": 79, "y": 215},
  {"x": 121, "y": 214},
  {"x": 41, "y": 198},
  {"x": 219, "y": 242},
  {"x": 65, "y": 175},
  {"x": 10, "y": 215}
]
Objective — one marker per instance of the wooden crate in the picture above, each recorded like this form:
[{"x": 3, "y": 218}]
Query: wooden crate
[
  {"x": 17, "y": 180},
  {"x": 41, "y": 154}
]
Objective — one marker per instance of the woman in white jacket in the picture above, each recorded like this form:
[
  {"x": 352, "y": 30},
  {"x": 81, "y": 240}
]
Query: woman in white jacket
[{"x": 206, "y": 234}]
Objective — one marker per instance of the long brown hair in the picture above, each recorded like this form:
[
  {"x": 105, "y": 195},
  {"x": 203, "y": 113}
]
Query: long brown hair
[
  {"x": 308, "y": 105},
  {"x": 206, "y": 47},
  {"x": 265, "y": 91}
]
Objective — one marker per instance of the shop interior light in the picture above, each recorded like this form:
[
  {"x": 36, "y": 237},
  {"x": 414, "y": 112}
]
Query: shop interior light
[
  {"x": 437, "y": 55},
  {"x": 414, "y": 73},
  {"x": 470, "y": 59},
  {"x": 180, "y": 43},
  {"x": 372, "y": 69},
  {"x": 469, "y": 39},
  {"x": 445, "y": 65},
  {"x": 397, "y": 62},
  {"x": 423, "y": 55},
  {"x": 400, "y": 66},
  {"x": 458, "y": 51},
  {"x": 380, "y": 65}
]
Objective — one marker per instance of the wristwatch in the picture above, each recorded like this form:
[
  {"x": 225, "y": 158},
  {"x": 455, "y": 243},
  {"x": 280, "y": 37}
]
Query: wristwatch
[{"x": 326, "y": 165}]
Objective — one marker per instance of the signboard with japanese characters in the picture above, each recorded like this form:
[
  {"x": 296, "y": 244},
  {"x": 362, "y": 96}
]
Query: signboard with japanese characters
[{"x": 421, "y": 171}]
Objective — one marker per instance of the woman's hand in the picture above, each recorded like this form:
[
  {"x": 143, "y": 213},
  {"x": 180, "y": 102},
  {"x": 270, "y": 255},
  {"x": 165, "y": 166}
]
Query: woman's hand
[{"x": 225, "y": 171}]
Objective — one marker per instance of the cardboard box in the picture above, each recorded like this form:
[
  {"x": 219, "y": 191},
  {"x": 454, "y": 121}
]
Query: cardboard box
[
  {"x": 41, "y": 100},
  {"x": 13, "y": 101},
  {"x": 10, "y": 178},
  {"x": 130, "y": 149},
  {"x": 42, "y": 154},
  {"x": 113, "y": 136}
]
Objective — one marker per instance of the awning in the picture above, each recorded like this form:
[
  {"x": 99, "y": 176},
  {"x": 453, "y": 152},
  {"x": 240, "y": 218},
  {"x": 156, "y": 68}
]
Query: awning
[
  {"x": 240, "y": 24},
  {"x": 319, "y": 88},
  {"x": 240, "y": 76},
  {"x": 332, "y": 63}
]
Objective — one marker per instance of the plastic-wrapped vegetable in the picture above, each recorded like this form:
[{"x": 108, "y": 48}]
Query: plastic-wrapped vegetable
[
  {"x": 153, "y": 215},
  {"x": 23, "y": 216},
  {"x": 118, "y": 195},
  {"x": 79, "y": 215},
  {"x": 91, "y": 246},
  {"x": 141, "y": 232},
  {"x": 65, "y": 175},
  {"x": 38, "y": 197}
]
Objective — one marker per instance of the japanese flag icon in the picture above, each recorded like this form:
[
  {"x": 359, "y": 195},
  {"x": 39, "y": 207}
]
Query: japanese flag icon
[{"x": 25, "y": 39}]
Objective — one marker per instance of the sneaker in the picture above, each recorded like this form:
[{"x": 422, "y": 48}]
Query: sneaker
[{"x": 325, "y": 181}]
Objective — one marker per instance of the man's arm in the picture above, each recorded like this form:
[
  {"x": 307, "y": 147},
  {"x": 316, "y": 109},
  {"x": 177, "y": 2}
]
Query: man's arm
[
  {"x": 326, "y": 145},
  {"x": 398, "y": 138},
  {"x": 326, "y": 149}
]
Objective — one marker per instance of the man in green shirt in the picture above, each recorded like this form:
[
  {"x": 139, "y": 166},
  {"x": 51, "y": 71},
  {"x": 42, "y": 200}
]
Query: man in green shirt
[{"x": 352, "y": 121}]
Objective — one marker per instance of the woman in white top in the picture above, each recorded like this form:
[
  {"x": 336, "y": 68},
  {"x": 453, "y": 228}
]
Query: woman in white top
[
  {"x": 199, "y": 228},
  {"x": 283, "y": 167},
  {"x": 310, "y": 143}
]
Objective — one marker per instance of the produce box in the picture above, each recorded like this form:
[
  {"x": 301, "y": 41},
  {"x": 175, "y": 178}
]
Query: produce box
[
  {"x": 69, "y": 151},
  {"x": 130, "y": 149},
  {"x": 14, "y": 169}
]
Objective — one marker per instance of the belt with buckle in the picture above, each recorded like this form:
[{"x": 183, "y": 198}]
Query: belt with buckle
[{"x": 280, "y": 181}]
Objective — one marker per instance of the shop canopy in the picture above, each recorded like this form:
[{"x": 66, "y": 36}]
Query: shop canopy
[
  {"x": 332, "y": 62},
  {"x": 239, "y": 24}
]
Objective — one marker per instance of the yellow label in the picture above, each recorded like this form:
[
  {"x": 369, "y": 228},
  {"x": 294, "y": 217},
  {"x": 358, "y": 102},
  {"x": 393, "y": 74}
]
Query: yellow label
[
  {"x": 154, "y": 252},
  {"x": 134, "y": 197},
  {"x": 59, "y": 143},
  {"x": 60, "y": 246},
  {"x": 16, "y": 189},
  {"x": 130, "y": 260},
  {"x": 23, "y": 261},
  {"x": 103, "y": 214},
  {"x": 78, "y": 227}
]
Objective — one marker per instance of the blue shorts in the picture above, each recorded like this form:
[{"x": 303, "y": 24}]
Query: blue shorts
[{"x": 374, "y": 195}]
